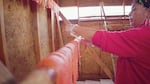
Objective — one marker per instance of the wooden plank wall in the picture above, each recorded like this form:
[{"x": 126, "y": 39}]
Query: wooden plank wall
[
  {"x": 24, "y": 36},
  {"x": 19, "y": 37},
  {"x": 89, "y": 69}
]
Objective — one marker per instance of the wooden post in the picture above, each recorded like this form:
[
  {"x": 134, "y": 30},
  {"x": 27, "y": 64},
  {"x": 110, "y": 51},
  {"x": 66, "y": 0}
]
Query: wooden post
[
  {"x": 59, "y": 31},
  {"x": 35, "y": 31},
  {"x": 1, "y": 26},
  {"x": 3, "y": 48},
  {"x": 53, "y": 29},
  {"x": 49, "y": 29},
  {"x": 42, "y": 28}
]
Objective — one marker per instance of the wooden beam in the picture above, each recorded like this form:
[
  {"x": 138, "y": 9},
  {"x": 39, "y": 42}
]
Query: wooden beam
[
  {"x": 3, "y": 48},
  {"x": 43, "y": 31},
  {"x": 53, "y": 29},
  {"x": 49, "y": 28},
  {"x": 59, "y": 31},
  {"x": 35, "y": 31},
  {"x": 1, "y": 26},
  {"x": 67, "y": 3},
  {"x": 99, "y": 61},
  {"x": 57, "y": 11}
]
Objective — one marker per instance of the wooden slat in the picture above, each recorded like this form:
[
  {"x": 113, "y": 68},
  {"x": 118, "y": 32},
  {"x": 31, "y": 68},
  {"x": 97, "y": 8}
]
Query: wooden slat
[
  {"x": 64, "y": 3},
  {"x": 53, "y": 30},
  {"x": 49, "y": 29},
  {"x": 1, "y": 26},
  {"x": 99, "y": 61},
  {"x": 42, "y": 32},
  {"x": 88, "y": 2},
  {"x": 38, "y": 50},
  {"x": 55, "y": 24},
  {"x": 59, "y": 28},
  {"x": 3, "y": 47},
  {"x": 35, "y": 32}
]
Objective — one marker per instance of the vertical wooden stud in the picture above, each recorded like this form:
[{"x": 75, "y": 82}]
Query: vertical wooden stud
[{"x": 3, "y": 48}]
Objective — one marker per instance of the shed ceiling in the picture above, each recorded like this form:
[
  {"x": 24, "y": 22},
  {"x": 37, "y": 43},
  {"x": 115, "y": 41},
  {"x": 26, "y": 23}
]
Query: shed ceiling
[{"x": 64, "y": 3}]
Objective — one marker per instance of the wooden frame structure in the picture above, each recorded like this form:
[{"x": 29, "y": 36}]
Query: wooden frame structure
[
  {"x": 55, "y": 7},
  {"x": 34, "y": 35}
]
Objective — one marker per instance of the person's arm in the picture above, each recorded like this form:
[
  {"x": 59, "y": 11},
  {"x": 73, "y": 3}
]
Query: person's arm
[
  {"x": 85, "y": 32},
  {"x": 123, "y": 43},
  {"x": 129, "y": 43}
]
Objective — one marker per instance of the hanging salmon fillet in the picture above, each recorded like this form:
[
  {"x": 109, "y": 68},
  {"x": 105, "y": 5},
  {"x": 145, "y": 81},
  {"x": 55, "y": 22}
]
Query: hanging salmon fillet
[{"x": 65, "y": 63}]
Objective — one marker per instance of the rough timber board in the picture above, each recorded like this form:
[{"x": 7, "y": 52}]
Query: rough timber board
[
  {"x": 43, "y": 32},
  {"x": 92, "y": 2},
  {"x": 18, "y": 21},
  {"x": 1, "y": 31}
]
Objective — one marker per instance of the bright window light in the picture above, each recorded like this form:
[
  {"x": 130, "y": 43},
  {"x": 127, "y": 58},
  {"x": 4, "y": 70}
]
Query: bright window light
[
  {"x": 89, "y": 11},
  {"x": 116, "y": 10},
  {"x": 72, "y": 12}
]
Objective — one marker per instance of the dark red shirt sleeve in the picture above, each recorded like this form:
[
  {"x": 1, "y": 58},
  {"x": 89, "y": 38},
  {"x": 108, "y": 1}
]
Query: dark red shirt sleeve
[{"x": 124, "y": 43}]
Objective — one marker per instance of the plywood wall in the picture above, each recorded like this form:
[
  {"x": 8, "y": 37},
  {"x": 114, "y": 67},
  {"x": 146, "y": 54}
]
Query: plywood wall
[
  {"x": 89, "y": 69},
  {"x": 25, "y": 35},
  {"x": 19, "y": 37}
]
